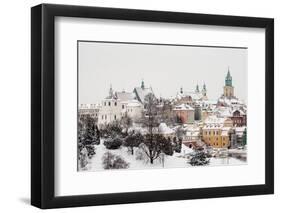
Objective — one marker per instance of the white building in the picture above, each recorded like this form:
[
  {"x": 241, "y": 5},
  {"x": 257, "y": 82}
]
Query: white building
[
  {"x": 89, "y": 109},
  {"x": 134, "y": 109},
  {"x": 118, "y": 105}
]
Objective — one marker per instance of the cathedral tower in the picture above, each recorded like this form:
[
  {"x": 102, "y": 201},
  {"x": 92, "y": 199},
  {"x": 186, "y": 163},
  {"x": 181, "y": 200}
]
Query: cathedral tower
[{"x": 228, "y": 89}]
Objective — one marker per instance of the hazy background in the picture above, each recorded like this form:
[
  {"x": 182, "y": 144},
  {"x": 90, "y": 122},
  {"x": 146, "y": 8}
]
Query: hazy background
[{"x": 165, "y": 68}]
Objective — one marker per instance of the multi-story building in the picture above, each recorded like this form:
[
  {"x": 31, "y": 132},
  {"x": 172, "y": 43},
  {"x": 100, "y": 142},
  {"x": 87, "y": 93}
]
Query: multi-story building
[
  {"x": 184, "y": 113},
  {"x": 89, "y": 109},
  {"x": 215, "y": 131},
  {"x": 239, "y": 118}
]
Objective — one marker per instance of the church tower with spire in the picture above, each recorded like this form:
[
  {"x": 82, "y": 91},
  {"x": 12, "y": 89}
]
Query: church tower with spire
[
  {"x": 204, "y": 90},
  {"x": 228, "y": 89},
  {"x": 197, "y": 89}
]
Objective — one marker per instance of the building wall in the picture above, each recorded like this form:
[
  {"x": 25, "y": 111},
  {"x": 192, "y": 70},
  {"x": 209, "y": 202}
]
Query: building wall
[
  {"x": 111, "y": 110},
  {"x": 214, "y": 138},
  {"x": 134, "y": 112},
  {"x": 186, "y": 116},
  {"x": 228, "y": 91}
]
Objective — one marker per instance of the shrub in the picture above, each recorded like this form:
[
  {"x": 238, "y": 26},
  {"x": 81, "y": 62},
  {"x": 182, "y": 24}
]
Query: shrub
[
  {"x": 111, "y": 161},
  {"x": 114, "y": 143},
  {"x": 199, "y": 159}
]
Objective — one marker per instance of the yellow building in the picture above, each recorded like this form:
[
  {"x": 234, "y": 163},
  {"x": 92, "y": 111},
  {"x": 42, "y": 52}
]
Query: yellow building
[{"x": 215, "y": 132}]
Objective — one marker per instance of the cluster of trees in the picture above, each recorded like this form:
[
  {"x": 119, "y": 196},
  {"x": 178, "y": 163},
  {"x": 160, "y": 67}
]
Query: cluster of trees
[
  {"x": 152, "y": 143},
  {"x": 88, "y": 137}
]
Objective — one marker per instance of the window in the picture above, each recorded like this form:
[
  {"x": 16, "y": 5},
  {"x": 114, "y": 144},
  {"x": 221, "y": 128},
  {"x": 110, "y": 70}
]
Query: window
[
  {"x": 115, "y": 116},
  {"x": 115, "y": 103},
  {"x": 102, "y": 117},
  {"x": 123, "y": 106},
  {"x": 105, "y": 117},
  {"x": 109, "y": 103}
]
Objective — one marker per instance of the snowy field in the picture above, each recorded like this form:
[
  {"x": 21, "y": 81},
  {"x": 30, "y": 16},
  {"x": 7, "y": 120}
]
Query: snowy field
[{"x": 178, "y": 160}]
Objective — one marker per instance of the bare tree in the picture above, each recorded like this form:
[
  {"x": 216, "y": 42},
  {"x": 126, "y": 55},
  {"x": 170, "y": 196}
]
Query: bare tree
[{"x": 151, "y": 122}]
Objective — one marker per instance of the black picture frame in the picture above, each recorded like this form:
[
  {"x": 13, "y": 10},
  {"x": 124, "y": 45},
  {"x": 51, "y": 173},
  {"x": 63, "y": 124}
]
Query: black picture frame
[{"x": 43, "y": 102}]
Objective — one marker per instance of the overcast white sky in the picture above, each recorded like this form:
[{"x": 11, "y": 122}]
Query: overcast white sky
[{"x": 165, "y": 68}]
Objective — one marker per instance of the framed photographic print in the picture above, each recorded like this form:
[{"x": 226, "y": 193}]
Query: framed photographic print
[{"x": 139, "y": 106}]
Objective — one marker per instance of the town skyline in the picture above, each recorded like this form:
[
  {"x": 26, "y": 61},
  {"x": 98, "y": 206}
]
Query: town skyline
[{"x": 97, "y": 59}]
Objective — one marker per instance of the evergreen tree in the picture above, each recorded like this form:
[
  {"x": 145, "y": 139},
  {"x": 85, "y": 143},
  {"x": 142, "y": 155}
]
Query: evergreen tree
[
  {"x": 199, "y": 158},
  {"x": 133, "y": 140}
]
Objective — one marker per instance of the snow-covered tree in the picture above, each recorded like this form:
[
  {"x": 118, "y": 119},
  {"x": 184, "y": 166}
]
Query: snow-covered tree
[
  {"x": 177, "y": 144},
  {"x": 133, "y": 140},
  {"x": 151, "y": 122},
  {"x": 199, "y": 158},
  {"x": 112, "y": 130},
  {"x": 126, "y": 122},
  {"x": 111, "y": 161},
  {"x": 113, "y": 143},
  {"x": 88, "y": 136},
  {"x": 83, "y": 158}
]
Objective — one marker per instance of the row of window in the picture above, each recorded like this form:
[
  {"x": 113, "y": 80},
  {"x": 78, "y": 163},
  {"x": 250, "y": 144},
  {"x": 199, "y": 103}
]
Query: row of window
[
  {"x": 210, "y": 132},
  {"x": 216, "y": 144},
  {"x": 115, "y": 104},
  {"x": 216, "y": 138},
  {"x": 104, "y": 117},
  {"x": 109, "y": 103}
]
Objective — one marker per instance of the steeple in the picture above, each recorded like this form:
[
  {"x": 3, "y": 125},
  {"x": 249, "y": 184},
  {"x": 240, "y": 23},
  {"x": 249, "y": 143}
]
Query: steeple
[
  {"x": 197, "y": 88},
  {"x": 111, "y": 91},
  {"x": 228, "y": 89},
  {"x": 204, "y": 90},
  {"x": 181, "y": 90},
  {"x": 228, "y": 79},
  {"x": 142, "y": 84}
]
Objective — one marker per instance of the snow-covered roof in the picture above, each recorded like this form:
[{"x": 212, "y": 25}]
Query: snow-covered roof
[
  {"x": 223, "y": 111},
  {"x": 230, "y": 101},
  {"x": 194, "y": 95},
  {"x": 214, "y": 120},
  {"x": 125, "y": 96},
  {"x": 183, "y": 107},
  {"x": 133, "y": 103},
  {"x": 239, "y": 110},
  {"x": 141, "y": 93},
  {"x": 164, "y": 129}
]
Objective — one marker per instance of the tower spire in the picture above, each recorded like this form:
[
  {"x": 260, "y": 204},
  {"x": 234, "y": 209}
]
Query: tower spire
[
  {"x": 204, "y": 90},
  {"x": 142, "y": 84},
  {"x": 228, "y": 78},
  {"x": 110, "y": 91},
  {"x": 197, "y": 88}
]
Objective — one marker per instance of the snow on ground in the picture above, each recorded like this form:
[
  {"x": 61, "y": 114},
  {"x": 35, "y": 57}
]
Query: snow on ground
[{"x": 178, "y": 160}]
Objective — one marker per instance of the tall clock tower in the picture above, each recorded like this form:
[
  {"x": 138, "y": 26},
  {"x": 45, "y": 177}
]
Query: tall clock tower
[{"x": 228, "y": 89}]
